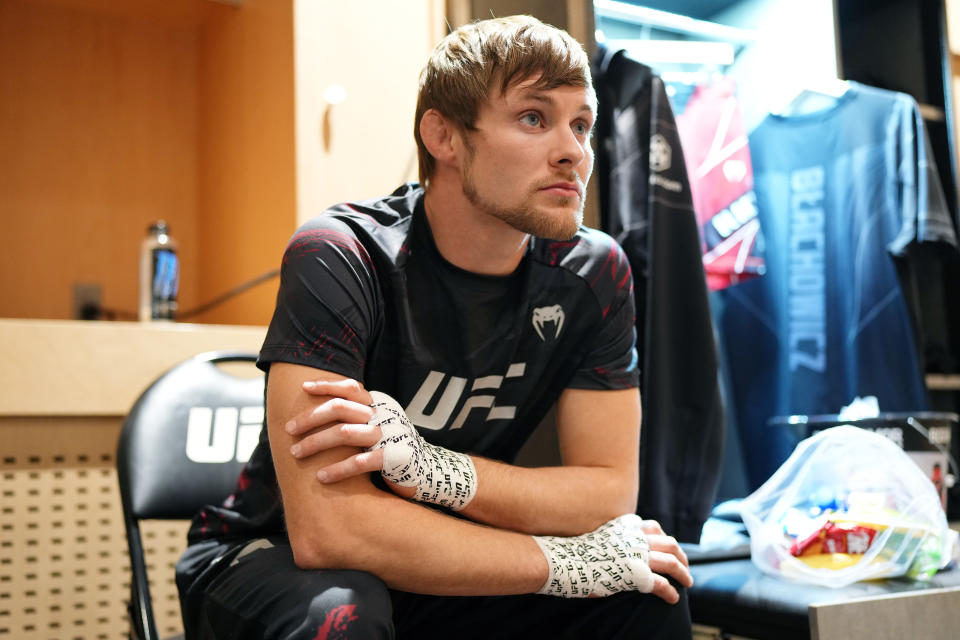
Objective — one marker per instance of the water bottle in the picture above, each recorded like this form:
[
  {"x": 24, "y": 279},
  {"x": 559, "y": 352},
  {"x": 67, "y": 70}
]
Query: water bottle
[{"x": 159, "y": 274}]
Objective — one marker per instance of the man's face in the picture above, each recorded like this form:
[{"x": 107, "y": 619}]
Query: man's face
[{"x": 529, "y": 159}]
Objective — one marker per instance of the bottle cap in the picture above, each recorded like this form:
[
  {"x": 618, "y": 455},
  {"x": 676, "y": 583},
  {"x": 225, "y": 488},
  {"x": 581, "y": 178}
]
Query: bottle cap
[{"x": 160, "y": 226}]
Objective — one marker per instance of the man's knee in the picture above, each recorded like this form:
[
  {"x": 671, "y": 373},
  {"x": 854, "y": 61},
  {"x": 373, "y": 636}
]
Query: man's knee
[
  {"x": 355, "y": 604},
  {"x": 259, "y": 586},
  {"x": 355, "y": 591}
]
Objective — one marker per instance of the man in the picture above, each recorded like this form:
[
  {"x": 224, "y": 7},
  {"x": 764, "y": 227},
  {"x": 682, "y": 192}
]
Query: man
[{"x": 477, "y": 303}]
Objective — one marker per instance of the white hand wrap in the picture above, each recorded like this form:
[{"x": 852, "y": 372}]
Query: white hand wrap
[
  {"x": 613, "y": 558},
  {"x": 441, "y": 476}
]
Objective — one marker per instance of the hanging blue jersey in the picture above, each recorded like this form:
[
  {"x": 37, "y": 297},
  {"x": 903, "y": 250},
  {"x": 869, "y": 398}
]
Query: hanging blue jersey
[{"x": 843, "y": 196}]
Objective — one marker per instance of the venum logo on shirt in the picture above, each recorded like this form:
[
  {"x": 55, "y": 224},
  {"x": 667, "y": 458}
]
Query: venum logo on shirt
[{"x": 543, "y": 316}]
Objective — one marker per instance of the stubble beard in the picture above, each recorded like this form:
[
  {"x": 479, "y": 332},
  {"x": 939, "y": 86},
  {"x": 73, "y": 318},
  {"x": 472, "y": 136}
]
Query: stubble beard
[{"x": 526, "y": 217}]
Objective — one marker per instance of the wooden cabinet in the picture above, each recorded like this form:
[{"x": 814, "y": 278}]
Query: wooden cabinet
[
  {"x": 355, "y": 117},
  {"x": 64, "y": 392},
  {"x": 209, "y": 114}
]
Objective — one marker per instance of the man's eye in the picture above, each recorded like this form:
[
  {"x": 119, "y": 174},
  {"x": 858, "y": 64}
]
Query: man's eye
[
  {"x": 531, "y": 119},
  {"x": 581, "y": 129}
]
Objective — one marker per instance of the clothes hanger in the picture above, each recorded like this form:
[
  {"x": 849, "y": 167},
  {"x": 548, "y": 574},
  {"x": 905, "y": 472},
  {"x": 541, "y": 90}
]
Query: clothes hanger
[
  {"x": 814, "y": 94},
  {"x": 681, "y": 60}
]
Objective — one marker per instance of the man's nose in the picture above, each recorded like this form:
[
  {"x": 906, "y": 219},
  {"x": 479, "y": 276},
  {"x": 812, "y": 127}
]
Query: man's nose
[{"x": 568, "y": 149}]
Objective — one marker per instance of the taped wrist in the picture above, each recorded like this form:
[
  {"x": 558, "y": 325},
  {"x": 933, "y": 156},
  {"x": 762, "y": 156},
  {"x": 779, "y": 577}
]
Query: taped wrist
[
  {"x": 441, "y": 476},
  {"x": 613, "y": 558}
]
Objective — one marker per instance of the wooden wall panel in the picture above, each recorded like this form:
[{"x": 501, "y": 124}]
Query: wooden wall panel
[
  {"x": 247, "y": 200},
  {"x": 98, "y": 138},
  {"x": 115, "y": 113},
  {"x": 64, "y": 568}
]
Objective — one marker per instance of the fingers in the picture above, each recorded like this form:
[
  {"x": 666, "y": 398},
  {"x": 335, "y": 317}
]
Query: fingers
[
  {"x": 355, "y": 465},
  {"x": 363, "y": 436},
  {"x": 668, "y": 544},
  {"x": 666, "y": 564},
  {"x": 334, "y": 411},
  {"x": 652, "y": 527},
  {"x": 664, "y": 590},
  {"x": 347, "y": 389}
]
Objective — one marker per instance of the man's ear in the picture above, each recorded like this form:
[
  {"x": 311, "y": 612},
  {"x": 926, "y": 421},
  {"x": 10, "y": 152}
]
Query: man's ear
[{"x": 439, "y": 136}]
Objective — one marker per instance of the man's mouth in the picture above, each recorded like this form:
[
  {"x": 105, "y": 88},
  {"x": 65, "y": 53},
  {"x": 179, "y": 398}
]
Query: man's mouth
[{"x": 564, "y": 189}]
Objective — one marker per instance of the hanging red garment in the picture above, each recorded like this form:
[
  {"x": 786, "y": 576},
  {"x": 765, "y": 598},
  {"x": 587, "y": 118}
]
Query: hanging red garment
[{"x": 715, "y": 148}]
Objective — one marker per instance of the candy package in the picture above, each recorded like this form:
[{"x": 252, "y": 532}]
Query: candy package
[{"x": 848, "y": 505}]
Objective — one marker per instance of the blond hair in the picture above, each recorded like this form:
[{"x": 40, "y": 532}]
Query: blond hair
[{"x": 464, "y": 67}]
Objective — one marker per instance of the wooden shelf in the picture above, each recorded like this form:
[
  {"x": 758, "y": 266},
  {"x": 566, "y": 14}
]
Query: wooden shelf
[
  {"x": 74, "y": 368},
  {"x": 942, "y": 382}
]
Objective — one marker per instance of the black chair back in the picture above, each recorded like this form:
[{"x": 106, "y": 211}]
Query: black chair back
[{"x": 182, "y": 446}]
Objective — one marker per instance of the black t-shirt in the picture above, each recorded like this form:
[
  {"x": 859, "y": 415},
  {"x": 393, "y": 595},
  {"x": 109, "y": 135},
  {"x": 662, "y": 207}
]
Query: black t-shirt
[{"x": 476, "y": 360}]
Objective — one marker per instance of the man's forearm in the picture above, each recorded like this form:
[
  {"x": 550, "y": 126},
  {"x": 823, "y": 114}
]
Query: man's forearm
[
  {"x": 564, "y": 501},
  {"x": 415, "y": 548},
  {"x": 597, "y": 485}
]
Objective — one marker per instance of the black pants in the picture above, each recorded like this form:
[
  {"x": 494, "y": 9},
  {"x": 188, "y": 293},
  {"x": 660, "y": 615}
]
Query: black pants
[{"x": 254, "y": 590}]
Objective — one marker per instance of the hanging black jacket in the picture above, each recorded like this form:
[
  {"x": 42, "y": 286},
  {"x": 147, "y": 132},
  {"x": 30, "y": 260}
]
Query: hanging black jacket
[{"x": 645, "y": 204}]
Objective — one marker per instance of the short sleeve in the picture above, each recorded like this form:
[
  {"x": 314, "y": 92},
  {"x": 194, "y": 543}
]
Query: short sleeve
[
  {"x": 328, "y": 304},
  {"x": 925, "y": 215},
  {"x": 611, "y": 358}
]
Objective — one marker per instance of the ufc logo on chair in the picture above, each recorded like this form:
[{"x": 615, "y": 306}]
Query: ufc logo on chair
[{"x": 222, "y": 434}]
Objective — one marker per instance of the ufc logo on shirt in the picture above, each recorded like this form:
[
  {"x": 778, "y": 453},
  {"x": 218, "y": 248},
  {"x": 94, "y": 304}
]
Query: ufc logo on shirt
[
  {"x": 223, "y": 434},
  {"x": 455, "y": 389}
]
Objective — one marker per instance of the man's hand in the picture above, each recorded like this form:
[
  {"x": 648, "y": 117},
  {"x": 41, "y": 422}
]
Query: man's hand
[
  {"x": 412, "y": 467},
  {"x": 439, "y": 476},
  {"x": 667, "y": 558},
  {"x": 625, "y": 554},
  {"x": 340, "y": 420}
]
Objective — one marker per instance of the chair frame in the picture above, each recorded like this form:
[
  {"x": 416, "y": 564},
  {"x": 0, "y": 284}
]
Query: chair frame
[{"x": 140, "y": 607}]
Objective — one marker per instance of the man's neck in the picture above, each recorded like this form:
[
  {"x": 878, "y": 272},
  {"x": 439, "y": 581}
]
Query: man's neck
[{"x": 469, "y": 238}]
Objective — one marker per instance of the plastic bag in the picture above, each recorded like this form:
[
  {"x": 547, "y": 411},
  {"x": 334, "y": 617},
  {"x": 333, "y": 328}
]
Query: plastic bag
[{"x": 848, "y": 505}]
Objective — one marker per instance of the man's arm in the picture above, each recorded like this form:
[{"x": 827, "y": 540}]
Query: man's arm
[
  {"x": 599, "y": 438},
  {"x": 599, "y": 444},
  {"x": 339, "y": 417},
  {"x": 352, "y": 524}
]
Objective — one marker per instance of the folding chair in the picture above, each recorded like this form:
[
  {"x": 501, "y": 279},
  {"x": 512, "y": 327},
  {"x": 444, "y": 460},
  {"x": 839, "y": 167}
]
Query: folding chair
[{"x": 182, "y": 446}]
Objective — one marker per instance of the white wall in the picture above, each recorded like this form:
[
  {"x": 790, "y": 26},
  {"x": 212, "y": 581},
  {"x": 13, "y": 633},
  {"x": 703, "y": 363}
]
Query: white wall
[
  {"x": 796, "y": 46},
  {"x": 362, "y": 146}
]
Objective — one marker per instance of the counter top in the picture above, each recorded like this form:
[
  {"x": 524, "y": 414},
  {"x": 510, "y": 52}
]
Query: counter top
[{"x": 84, "y": 368}]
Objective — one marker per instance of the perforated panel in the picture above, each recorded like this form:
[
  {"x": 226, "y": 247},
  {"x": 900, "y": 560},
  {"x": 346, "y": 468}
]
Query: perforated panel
[
  {"x": 64, "y": 570},
  {"x": 164, "y": 541}
]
